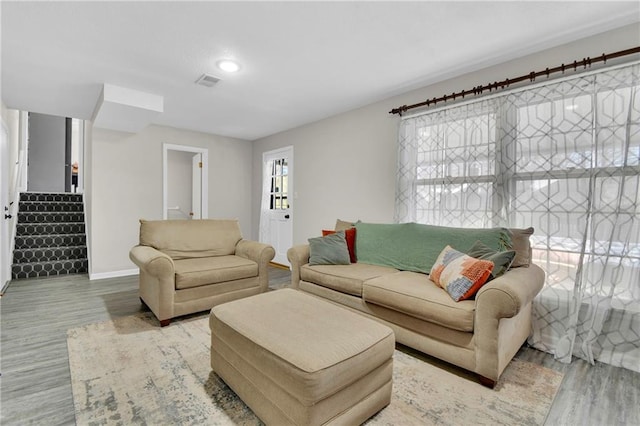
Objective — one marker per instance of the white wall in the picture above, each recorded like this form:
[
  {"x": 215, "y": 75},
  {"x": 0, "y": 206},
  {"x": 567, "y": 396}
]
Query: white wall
[
  {"x": 11, "y": 119},
  {"x": 125, "y": 185},
  {"x": 345, "y": 165},
  {"x": 179, "y": 183}
]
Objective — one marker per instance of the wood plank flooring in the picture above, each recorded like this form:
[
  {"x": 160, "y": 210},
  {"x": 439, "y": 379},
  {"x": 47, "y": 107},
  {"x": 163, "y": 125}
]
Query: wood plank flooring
[{"x": 35, "y": 383}]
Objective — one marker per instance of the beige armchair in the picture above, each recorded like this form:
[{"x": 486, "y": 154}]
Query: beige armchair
[{"x": 189, "y": 266}]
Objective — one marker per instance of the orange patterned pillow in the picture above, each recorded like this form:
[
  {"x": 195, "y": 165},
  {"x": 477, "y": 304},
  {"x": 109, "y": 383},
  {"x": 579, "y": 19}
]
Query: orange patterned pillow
[{"x": 459, "y": 274}]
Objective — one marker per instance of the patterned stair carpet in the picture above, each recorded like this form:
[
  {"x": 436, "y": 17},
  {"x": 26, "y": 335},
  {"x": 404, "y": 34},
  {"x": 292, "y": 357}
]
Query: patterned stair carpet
[
  {"x": 50, "y": 236},
  {"x": 130, "y": 371}
]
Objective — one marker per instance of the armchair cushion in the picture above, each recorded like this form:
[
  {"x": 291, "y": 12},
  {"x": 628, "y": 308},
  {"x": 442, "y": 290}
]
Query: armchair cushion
[
  {"x": 182, "y": 239},
  {"x": 211, "y": 270}
]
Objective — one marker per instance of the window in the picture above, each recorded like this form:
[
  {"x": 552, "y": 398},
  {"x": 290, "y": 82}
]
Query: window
[
  {"x": 279, "y": 185},
  {"x": 455, "y": 174}
]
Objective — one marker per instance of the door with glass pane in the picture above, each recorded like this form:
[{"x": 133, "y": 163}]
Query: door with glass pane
[{"x": 277, "y": 202}]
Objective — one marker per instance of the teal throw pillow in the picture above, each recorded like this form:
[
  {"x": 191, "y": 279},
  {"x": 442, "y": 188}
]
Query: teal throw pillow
[
  {"x": 501, "y": 259},
  {"x": 329, "y": 250}
]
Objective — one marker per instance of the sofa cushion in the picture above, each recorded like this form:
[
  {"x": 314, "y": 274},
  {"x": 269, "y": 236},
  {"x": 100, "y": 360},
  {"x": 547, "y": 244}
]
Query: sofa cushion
[
  {"x": 522, "y": 246},
  {"x": 210, "y": 270},
  {"x": 182, "y": 239},
  {"x": 416, "y": 295},
  {"x": 345, "y": 278},
  {"x": 343, "y": 225},
  {"x": 415, "y": 247}
]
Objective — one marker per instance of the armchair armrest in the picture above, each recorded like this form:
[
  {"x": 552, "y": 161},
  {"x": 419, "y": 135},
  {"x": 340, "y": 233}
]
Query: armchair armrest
[
  {"x": 258, "y": 252},
  {"x": 152, "y": 261},
  {"x": 298, "y": 256}
]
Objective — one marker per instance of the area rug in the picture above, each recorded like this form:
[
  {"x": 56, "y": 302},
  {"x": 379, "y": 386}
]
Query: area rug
[{"x": 130, "y": 371}]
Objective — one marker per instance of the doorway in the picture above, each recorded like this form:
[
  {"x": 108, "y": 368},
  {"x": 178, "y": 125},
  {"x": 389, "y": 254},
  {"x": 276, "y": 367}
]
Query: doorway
[
  {"x": 5, "y": 243},
  {"x": 276, "y": 218},
  {"x": 185, "y": 180},
  {"x": 54, "y": 154}
]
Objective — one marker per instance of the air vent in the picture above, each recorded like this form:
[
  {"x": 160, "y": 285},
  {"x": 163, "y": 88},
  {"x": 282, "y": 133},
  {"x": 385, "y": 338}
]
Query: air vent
[{"x": 207, "y": 80}]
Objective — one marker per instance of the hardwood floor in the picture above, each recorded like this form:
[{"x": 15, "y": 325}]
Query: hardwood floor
[{"x": 36, "y": 386}]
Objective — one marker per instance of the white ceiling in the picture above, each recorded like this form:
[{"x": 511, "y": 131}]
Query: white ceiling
[{"x": 301, "y": 61}]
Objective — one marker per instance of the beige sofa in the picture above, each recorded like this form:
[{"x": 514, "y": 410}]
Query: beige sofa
[
  {"x": 481, "y": 335},
  {"x": 189, "y": 266}
]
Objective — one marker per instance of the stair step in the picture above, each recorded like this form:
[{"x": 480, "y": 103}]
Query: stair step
[
  {"x": 52, "y": 217},
  {"x": 50, "y": 236},
  {"x": 42, "y": 241},
  {"x": 50, "y": 206},
  {"x": 50, "y": 196},
  {"x": 48, "y": 269},
  {"x": 47, "y": 254},
  {"x": 24, "y": 229}
]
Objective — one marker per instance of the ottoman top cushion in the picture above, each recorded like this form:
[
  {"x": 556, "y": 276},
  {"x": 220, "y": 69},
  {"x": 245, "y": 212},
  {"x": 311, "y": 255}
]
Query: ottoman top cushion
[{"x": 303, "y": 330}]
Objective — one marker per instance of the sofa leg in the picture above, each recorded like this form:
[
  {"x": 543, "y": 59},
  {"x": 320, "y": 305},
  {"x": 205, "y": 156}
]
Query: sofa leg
[
  {"x": 164, "y": 323},
  {"x": 487, "y": 382}
]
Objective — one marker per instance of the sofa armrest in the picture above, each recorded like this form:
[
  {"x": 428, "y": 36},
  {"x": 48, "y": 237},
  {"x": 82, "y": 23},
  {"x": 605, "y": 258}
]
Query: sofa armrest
[
  {"x": 507, "y": 294},
  {"x": 503, "y": 318},
  {"x": 152, "y": 261},
  {"x": 298, "y": 256}
]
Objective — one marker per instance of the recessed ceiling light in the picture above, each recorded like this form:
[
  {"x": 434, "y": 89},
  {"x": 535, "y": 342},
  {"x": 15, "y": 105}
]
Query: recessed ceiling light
[{"x": 228, "y": 65}]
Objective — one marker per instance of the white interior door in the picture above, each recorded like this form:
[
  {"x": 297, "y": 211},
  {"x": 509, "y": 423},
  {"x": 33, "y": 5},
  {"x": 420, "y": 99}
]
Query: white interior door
[
  {"x": 196, "y": 187},
  {"x": 279, "y": 219},
  {"x": 5, "y": 266}
]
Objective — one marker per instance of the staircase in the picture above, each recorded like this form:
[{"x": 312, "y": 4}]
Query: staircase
[{"x": 50, "y": 236}]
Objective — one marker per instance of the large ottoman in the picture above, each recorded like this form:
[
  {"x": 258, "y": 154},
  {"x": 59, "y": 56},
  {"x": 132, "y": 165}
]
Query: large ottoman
[{"x": 296, "y": 359}]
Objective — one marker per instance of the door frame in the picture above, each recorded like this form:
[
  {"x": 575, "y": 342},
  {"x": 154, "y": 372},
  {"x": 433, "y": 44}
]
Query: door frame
[
  {"x": 196, "y": 193},
  {"x": 166, "y": 147},
  {"x": 5, "y": 232},
  {"x": 81, "y": 137}
]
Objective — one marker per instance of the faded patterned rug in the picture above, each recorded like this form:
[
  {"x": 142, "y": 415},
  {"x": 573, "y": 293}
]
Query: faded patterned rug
[{"x": 130, "y": 371}]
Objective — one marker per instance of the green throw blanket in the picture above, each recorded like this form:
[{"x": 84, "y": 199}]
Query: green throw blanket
[{"x": 415, "y": 247}]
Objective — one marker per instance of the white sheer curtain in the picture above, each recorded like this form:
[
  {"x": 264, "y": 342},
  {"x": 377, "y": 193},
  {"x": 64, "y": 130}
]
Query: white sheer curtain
[{"x": 563, "y": 157}]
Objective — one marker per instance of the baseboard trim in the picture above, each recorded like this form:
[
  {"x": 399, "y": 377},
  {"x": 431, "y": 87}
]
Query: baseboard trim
[
  {"x": 113, "y": 274},
  {"x": 279, "y": 266},
  {"x": 5, "y": 286}
]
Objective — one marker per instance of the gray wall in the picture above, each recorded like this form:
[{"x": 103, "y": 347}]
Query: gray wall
[
  {"x": 47, "y": 141},
  {"x": 345, "y": 165},
  {"x": 125, "y": 185}
]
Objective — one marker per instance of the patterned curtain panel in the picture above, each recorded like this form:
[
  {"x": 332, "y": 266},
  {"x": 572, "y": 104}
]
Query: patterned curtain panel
[{"x": 563, "y": 157}]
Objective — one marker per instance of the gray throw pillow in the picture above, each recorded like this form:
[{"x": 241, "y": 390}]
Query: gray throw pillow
[
  {"x": 329, "y": 250},
  {"x": 501, "y": 259}
]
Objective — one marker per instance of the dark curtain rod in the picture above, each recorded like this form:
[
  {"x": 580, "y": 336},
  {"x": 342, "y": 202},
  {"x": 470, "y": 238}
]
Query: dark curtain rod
[{"x": 586, "y": 62}]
